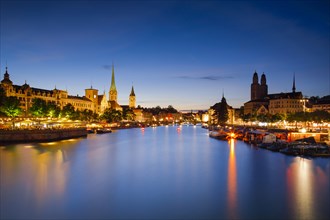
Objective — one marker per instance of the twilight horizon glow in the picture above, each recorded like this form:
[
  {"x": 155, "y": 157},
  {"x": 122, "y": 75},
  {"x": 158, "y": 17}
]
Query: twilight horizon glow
[{"x": 180, "y": 53}]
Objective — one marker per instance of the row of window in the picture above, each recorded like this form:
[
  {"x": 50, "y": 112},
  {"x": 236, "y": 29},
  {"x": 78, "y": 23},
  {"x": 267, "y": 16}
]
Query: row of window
[
  {"x": 284, "y": 111},
  {"x": 33, "y": 93},
  {"x": 283, "y": 106},
  {"x": 75, "y": 104},
  {"x": 287, "y": 101},
  {"x": 82, "y": 105}
]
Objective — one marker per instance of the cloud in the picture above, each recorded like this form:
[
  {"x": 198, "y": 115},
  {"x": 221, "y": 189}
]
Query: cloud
[
  {"x": 209, "y": 77},
  {"x": 107, "y": 67}
]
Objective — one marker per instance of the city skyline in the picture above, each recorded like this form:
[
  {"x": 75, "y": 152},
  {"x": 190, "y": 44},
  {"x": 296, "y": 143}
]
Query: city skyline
[{"x": 175, "y": 53}]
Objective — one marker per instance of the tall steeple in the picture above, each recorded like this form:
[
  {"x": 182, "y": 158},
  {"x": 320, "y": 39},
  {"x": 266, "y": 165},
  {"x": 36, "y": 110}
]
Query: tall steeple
[
  {"x": 132, "y": 92},
  {"x": 132, "y": 99},
  {"x": 294, "y": 83},
  {"x": 113, "y": 83},
  {"x": 113, "y": 90}
]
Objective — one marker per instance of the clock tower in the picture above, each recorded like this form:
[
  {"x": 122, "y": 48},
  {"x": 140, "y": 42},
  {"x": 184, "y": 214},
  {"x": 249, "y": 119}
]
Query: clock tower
[{"x": 132, "y": 99}]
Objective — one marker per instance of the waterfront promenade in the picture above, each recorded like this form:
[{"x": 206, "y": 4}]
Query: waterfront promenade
[{"x": 40, "y": 135}]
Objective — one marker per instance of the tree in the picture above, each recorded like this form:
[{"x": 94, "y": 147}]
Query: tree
[
  {"x": 320, "y": 116},
  {"x": 112, "y": 115},
  {"x": 11, "y": 107},
  {"x": 277, "y": 117},
  {"x": 246, "y": 118},
  {"x": 263, "y": 118},
  {"x": 2, "y": 96},
  {"x": 76, "y": 115},
  {"x": 87, "y": 115},
  {"x": 68, "y": 111},
  {"x": 2, "y": 99},
  {"x": 170, "y": 109},
  {"x": 128, "y": 114},
  {"x": 38, "y": 108},
  {"x": 53, "y": 110}
]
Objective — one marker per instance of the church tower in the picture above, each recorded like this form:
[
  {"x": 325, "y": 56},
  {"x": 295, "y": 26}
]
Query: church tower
[
  {"x": 255, "y": 87},
  {"x": 113, "y": 90},
  {"x": 92, "y": 94},
  {"x": 132, "y": 99},
  {"x": 263, "y": 91}
]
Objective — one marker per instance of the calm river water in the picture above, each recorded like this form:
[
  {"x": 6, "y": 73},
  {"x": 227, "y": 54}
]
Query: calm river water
[{"x": 158, "y": 173}]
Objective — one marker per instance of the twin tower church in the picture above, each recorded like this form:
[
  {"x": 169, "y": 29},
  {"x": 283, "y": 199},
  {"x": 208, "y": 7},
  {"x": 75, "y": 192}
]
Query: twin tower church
[
  {"x": 91, "y": 101},
  {"x": 277, "y": 103}
]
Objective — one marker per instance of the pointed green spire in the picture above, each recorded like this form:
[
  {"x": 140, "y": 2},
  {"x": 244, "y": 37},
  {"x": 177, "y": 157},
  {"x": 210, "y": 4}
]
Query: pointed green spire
[{"x": 113, "y": 84}]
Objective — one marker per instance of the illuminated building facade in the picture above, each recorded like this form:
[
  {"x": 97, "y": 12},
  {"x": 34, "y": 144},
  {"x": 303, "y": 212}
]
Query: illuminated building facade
[
  {"x": 281, "y": 103},
  {"x": 90, "y": 101}
]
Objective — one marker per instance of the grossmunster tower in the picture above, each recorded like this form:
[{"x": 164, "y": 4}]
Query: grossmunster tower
[{"x": 277, "y": 103}]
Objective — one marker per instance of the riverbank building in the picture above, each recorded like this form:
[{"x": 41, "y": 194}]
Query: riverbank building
[
  {"x": 92, "y": 100},
  {"x": 278, "y": 103}
]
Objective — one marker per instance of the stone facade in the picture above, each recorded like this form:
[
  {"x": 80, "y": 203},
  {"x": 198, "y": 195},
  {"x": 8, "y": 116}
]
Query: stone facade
[
  {"x": 280, "y": 103},
  {"x": 90, "y": 101}
]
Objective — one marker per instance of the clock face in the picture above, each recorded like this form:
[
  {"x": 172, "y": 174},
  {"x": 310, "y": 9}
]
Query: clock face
[{"x": 94, "y": 96}]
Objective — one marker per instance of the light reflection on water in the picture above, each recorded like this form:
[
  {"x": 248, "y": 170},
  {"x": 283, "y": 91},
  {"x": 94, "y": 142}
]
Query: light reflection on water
[
  {"x": 162, "y": 172},
  {"x": 232, "y": 181},
  {"x": 303, "y": 180}
]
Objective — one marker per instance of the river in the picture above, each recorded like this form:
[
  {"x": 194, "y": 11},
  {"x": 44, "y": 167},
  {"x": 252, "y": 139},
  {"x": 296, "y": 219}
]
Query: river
[{"x": 159, "y": 173}]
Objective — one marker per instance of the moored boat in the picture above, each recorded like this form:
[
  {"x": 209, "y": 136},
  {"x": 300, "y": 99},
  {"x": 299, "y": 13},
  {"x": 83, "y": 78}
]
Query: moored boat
[
  {"x": 103, "y": 130},
  {"x": 218, "y": 135}
]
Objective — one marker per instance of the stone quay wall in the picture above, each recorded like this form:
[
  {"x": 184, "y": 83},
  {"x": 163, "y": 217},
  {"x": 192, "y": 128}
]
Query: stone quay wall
[{"x": 42, "y": 135}]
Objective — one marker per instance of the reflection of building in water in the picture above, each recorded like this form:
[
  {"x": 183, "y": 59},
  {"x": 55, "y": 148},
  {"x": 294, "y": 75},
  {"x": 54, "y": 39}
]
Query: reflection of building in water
[
  {"x": 232, "y": 182},
  {"x": 44, "y": 178},
  {"x": 300, "y": 185},
  {"x": 51, "y": 176}
]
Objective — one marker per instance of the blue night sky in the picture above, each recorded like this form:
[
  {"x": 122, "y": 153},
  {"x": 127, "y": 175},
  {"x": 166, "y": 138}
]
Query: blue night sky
[{"x": 180, "y": 53}]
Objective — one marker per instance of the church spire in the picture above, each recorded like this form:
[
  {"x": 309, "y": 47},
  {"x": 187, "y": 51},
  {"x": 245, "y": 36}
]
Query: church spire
[
  {"x": 113, "y": 90},
  {"x": 113, "y": 83},
  {"x": 132, "y": 92},
  {"x": 294, "y": 83},
  {"x": 132, "y": 99}
]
